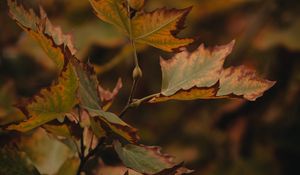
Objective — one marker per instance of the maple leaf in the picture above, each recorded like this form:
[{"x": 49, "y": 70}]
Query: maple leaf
[
  {"x": 56, "y": 45},
  {"x": 157, "y": 28},
  {"x": 51, "y": 103},
  {"x": 200, "y": 75},
  {"x": 148, "y": 159}
]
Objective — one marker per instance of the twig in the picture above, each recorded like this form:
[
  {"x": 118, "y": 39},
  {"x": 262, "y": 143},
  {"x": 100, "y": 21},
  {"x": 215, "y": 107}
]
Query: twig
[
  {"x": 77, "y": 148},
  {"x": 91, "y": 153},
  {"x": 136, "y": 103},
  {"x": 91, "y": 143},
  {"x": 137, "y": 70},
  {"x": 82, "y": 146}
]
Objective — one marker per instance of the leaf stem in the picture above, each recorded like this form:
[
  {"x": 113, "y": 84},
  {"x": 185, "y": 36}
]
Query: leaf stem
[
  {"x": 136, "y": 103},
  {"x": 137, "y": 73}
]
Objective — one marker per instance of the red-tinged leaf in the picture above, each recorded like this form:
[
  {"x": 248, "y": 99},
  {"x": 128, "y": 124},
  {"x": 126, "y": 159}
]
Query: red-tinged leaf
[
  {"x": 57, "y": 46},
  {"x": 147, "y": 159},
  {"x": 175, "y": 170},
  {"x": 107, "y": 95},
  {"x": 200, "y": 75}
]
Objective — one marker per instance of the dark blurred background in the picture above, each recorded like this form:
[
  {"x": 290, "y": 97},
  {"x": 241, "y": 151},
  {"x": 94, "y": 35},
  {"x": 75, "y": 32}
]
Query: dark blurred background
[{"x": 214, "y": 137}]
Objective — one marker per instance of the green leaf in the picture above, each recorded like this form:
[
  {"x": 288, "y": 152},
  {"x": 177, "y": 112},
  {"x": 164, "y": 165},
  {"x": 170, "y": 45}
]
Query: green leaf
[
  {"x": 113, "y": 12},
  {"x": 56, "y": 45},
  {"x": 200, "y": 75},
  {"x": 145, "y": 159},
  {"x": 51, "y": 103},
  {"x": 88, "y": 83},
  {"x": 15, "y": 163}
]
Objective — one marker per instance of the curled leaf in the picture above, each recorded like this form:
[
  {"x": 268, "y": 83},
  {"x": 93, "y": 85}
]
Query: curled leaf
[
  {"x": 56, "y": 45},
  {"x": 200, "y": 75}
]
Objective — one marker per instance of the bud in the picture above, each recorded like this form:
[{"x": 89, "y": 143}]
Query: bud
[
  {"x": 137, "y": 73},
  {"x": 136, "y": 4}
]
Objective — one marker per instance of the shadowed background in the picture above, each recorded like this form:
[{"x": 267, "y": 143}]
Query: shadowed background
[{"x": 226, "y": 137}]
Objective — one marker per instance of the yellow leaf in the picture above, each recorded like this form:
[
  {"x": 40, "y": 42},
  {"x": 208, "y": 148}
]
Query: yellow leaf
[
  {"x": 136, "y": 4},
  {"x": 51, "y": 103},
  {"x": 158, "y": 28},
  {"x": 113, "y": 12}
]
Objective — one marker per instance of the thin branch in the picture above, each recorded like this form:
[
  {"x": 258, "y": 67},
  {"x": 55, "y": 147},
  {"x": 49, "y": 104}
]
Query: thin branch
[
  {"x": 136, "y": 61},
  {"x": 82, "y": 147},
  {"x": 91, "y": 153},
  {"x": 91, "y": 143},
  {"x": 77, "y": 148},
  {"x": 136, "y": 103}
]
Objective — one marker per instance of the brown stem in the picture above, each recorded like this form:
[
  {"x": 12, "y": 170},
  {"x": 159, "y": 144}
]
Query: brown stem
[{"x": 90, "y": 154}]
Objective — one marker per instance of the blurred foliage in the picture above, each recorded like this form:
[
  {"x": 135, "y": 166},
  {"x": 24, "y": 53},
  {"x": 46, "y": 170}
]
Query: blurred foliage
[{"x": 216, "y": 137}]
